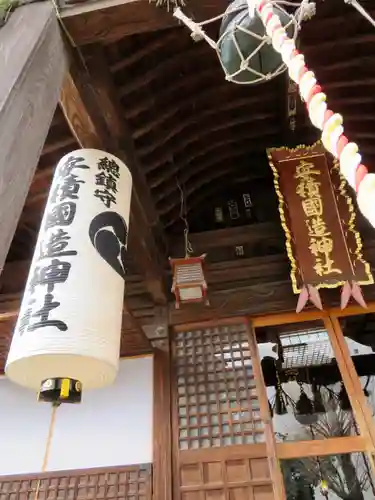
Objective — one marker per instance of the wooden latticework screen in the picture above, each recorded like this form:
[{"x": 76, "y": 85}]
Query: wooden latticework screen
[
  {"x": 125, "y": 483},
  {"x": 217, "y": 399},
  {"x": 219, "y": 433}
]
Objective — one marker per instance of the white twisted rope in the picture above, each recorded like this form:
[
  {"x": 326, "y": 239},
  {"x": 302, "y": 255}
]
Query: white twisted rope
[{"x": 330, "y": 123}]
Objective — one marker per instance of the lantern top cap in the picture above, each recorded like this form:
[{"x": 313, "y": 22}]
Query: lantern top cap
[{"x": 187, "y": 260}]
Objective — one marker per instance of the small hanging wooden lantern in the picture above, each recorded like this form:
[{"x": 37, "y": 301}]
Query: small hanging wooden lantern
[{"x": 189, "y": 284}]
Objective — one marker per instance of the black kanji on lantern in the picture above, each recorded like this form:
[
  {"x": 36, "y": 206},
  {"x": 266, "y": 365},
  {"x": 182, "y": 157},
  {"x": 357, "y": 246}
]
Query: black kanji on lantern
[
  {"x": 70, "y": 164},
  {"x": 68, "y": 184},
  {"x": 61, "y": 215},
  {"x": 107, "y": 180},
  {"x": 43, "y": 315},
  {"x": 109, "y": 166},
  {"x": 52, "y": 274},
  {"x": 24, "y": 320},
  {"x": 56, "y": 245},
  {"x": 105, "y": 196},
  {"x": 67, "y": 189}
]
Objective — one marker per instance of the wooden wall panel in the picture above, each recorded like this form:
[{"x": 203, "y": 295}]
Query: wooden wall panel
[
  {"x": 226, "y": 479},
  {"x": 115, "y": 483}
]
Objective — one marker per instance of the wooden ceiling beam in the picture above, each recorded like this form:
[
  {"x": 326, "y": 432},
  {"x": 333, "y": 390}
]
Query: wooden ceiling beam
[
  {"x": 210, "y": 191},
  {"x": 204, "y": 100},
  {"x": 256, "y": 142},
  {"x": 173, "y": 119},
  {"x": 169, "y": 106},
  {"x": 14, "y": 276},
  {"x": 256, "y": 300},
  {"x": 257, "y": 284},
  {"x": 32, "y": 62},
  {"x": 261, "y": 233},
  {"x": 252, "y": 234},
  {"x": 170, "y": 65},
  {"x": 190, "y": 135},
  {"x": 89, "y": 105},
  {"x": 221, "y": 169},
  {"x": 110, "y": 20},
  {"x": 167, "y": 195}
]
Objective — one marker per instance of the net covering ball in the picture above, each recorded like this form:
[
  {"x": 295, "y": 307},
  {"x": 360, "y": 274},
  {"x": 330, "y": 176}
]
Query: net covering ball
[{"x": 240, "y": 35}]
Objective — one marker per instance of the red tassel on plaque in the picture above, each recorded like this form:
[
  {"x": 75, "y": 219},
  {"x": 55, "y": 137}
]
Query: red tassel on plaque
[
  {"x": 352, "y": 290},
  {"x": 309, "y": 293}
]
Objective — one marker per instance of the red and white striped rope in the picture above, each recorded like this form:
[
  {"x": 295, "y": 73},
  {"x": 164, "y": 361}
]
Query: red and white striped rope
[{"x": 330, "y": 123}]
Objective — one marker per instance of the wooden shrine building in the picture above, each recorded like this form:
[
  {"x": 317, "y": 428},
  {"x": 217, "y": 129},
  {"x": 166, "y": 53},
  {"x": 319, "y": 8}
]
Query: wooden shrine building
[{"x": 224, "y": 391}]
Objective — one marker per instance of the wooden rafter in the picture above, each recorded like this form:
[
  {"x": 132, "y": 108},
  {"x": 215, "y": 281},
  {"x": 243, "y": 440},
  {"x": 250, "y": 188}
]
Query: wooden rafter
[
  {"x": 112, "y": 19},
  {"x": 88, "y": 100},
  {"x": 253, "y": 285}
]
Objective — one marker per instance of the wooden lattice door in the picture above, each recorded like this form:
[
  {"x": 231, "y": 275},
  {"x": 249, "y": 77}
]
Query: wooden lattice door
[{"x": 220, "y": 451}]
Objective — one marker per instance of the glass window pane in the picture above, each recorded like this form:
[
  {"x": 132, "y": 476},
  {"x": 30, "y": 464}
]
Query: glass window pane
[
  {"x": 307, "y": 398},
  {"x": 359, "y": 335}
]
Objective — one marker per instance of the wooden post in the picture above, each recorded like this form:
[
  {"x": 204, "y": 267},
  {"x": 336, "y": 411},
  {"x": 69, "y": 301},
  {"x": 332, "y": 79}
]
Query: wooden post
[
  {"x": 162, "y": 460},
  {"x": 275, "y": 470},
  {"x": 32, "y": 67}
]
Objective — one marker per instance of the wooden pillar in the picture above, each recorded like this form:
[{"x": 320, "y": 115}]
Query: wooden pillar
[
  {"x": 32, "y": 67},
  {"x": 274, "y": 465},
  {"x": 162, "y": 442}
]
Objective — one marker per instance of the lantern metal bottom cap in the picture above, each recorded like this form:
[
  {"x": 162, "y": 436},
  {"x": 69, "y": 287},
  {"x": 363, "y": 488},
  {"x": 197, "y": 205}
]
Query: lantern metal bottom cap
[{"x": 60, "y": 390}]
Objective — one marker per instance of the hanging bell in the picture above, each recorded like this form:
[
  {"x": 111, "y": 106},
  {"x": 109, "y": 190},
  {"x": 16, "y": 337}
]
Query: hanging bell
[
  {"x": 324, "y": 487},
  {"x": 270, "y": 409},
  {"x": 305, "y": 413},
  {"x": 280, "y": 406},
  {"x": 366, "y": 392},
  {"x": 242, "y": 53},
  {"x": 318, "y": 401},
  {"x": 344, "y": 399}
]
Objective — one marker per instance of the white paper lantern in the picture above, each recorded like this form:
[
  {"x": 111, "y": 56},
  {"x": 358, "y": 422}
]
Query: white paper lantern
[{"x": 69, "y": 324}]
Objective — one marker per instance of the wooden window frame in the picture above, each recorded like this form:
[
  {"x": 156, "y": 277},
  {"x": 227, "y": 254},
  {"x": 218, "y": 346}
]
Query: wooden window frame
[{"x": 365, "y": 442}]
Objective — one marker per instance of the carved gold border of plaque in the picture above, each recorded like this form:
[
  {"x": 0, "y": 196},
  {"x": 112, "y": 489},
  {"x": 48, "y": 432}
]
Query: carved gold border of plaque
[
  {"x": 288, "y": 234},
  {"x": 351, "y": 226}
]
